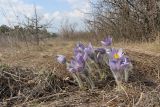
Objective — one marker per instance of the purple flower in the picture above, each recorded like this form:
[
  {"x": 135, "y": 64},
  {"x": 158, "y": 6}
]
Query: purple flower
[
  {"x": 89, "y": 50},
  {"x": 114, "y": 66},
  {"x": 117, "y": 60},
  {"x": 80, "y": 45},
  {"x": 80, "y": 57},
  {"x": 125, "y": 63},
  {"x": 61, "y": 59},
  {"x": 100, "y": 50},
  {"x": 107, "y": 41},
  {"x": 84, "y": 52},
  {"x": 79, "y": 48},
  {"x": 76, "y": 65},
  {"x": 119, "y": 65},
  {"x": 99, "y": 58},
  {"x": 71, "y": 66}
]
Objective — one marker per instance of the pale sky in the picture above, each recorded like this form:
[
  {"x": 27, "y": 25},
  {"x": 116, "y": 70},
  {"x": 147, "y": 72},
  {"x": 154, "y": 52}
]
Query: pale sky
[{"x": 58, "y": 10}]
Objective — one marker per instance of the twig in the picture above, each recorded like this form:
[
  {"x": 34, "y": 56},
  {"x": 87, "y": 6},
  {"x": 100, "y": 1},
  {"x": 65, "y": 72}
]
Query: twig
[
  {"x": 112, "y": 99},
  {"x": 12, "y": 99},
  {"x": 15, "y": 98},
  {"x": 158, "y": 72},
  {"x": 140, "y": 98},
  {"x": 14, "y": 75},
  {"x": 125, "y": 91},
  {"x": 47, "y": 97}
]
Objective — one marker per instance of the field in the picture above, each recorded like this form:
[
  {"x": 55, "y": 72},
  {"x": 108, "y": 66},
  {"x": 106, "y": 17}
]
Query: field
[{"x": 47, "y": 85}]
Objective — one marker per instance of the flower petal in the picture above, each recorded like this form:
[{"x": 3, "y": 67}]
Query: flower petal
[
  {"x": 61, "y": 59},
  {"x": 120, "y": 52}
]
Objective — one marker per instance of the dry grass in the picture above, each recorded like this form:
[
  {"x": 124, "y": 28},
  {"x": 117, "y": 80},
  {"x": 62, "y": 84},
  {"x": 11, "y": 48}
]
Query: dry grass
[
  {"x": 142, "y": 90},
  {"x": 23, "y": 85},
  {"x": 35, "y": 56},
  {"x": 148, "y": 48}
]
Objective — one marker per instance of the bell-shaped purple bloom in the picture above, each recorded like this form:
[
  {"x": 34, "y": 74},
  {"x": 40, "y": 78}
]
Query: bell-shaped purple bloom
[
  {"x": 117, "y": 60},
  {"x": 61, "y": 59},
  {"x": 100, "y": 50},
  {"x": 107, "y": 41},
  {"x": 77, "y": 64},
  {"x": 79, "y": 48},
  {"x": 89, "y": 49},
  {"x": 119, "y": 65},
  {"x": 114, "y": 66},
  {"x": 80, "y": 45},
  {"x": 82, "y": 51},
  {"x": 125, "y": 62},
  {"x": 99, "y": 58},
  {"x": 71, "y": 66},
  {"x": 80, "y": 57}
]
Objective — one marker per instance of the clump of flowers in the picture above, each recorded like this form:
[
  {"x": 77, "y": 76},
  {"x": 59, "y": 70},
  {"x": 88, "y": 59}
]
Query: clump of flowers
[{"x": 89, "y": 63}]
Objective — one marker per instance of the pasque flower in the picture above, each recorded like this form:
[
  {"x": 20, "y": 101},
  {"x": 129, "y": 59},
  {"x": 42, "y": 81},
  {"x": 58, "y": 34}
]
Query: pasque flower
[
  {"x": 119, "y": 65},
  {"x": 117, "y": 60},
  {"x": 107, "y": 41},
  {"x": 89, "y": 49},
  {"x": 89, "y": 52},
  {"x": 76, "y": 65},
  {"x": 61, "y": 59},
  {"x": 87, "y": 61},
  {"x": 100, "y": 50},
  {"x": 79, "y": 48}
]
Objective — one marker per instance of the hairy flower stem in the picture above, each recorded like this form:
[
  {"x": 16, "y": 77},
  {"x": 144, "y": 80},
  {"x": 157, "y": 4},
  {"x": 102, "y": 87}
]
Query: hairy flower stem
[
  {"x": 88, "y": 80},
  {"x": 118, "y": 79},
  {"x": 106, "y": 59},
  {"x": 78, "y": 79},
  {"x": 126, "y": 71},
  {"x": 97, "y": 67},
  {"x": 126, "y": 75},
  {"x": 119, "y": 85},
  {"x": 89, "y": 68}
]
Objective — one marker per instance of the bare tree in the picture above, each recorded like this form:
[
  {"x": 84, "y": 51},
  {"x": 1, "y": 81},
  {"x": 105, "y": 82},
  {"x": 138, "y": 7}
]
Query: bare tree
[
  {"x": 67, "y": 29},
  {"x": 35, "y": 26},
  {"x": 30, "y": 30}
]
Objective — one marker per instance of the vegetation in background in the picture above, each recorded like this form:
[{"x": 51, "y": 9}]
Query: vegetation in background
[
  {"x": 135, "y": 20},
  {"x": 31, "y": 30}
]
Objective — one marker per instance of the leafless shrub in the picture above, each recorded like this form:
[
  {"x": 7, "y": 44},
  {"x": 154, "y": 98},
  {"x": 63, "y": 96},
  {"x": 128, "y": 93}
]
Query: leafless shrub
[
  {"x": 67, "y": 30},
  {"x": 126, "y": 19}
]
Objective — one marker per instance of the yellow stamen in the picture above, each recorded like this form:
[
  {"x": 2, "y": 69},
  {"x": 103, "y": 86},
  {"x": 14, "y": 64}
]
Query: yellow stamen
[{"x": 116, "y": 56}]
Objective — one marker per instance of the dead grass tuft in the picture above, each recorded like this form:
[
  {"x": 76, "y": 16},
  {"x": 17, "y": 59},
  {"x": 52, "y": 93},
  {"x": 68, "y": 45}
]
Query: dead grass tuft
[{"x": 20, "y": 85}]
